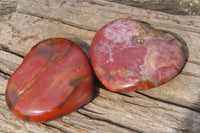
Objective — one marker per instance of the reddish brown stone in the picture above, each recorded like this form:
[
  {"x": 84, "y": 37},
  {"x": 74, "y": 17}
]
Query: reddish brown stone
[
  {"x": 127, "y": 55},
  {"x": 55, "y": 78}
]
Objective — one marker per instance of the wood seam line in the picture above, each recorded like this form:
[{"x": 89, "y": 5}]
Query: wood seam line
[
  {"x": 90, "y": 29},
  {"x": 168, "y": 102},
  {"x": 54, "y": 127},
  {"x": 57, "y": 20},
  {"x": 108, "y": 121}
]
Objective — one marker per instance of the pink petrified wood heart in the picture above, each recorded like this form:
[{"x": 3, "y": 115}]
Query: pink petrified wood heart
[{"x": 128, "y": 55}]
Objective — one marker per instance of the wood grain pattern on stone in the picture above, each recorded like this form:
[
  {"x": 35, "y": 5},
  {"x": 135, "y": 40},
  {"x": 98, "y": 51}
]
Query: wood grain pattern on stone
[
  {"x": 55, "y": 78},
  {"x": 173, "y": 107}
]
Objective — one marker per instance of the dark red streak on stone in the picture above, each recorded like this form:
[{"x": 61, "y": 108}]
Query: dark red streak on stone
[
  {"x": 76, "y": 83},
  {"x": 68, "y": 50},
  {"x": 51, "y": 81}
]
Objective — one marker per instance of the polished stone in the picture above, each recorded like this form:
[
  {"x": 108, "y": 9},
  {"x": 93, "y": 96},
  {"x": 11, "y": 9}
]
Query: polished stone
[
  {"x": 129, "y": 55},
  {"x": 55, "y": 78}
]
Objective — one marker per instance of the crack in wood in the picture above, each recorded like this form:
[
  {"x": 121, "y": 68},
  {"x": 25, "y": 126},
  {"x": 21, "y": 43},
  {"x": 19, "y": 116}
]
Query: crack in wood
[
  {"x": 93, "y": 29},
  {"x": 194, "y": 62},
  {"x": 6, "y": 77},
  {"x": 168, "y": 102},
  {"x": 123, "y": 94},
  {"x": 48, "y": 125},
  {"x": 58, "y": 20},
  {"x": 143, "y": 106},
  {"x": 178, "y": 27},
  {"x": 174, "y": 7},
  {"x": 190, "y": 74},
  {"x": 166, "y": 25},
  {"x": 90, "y": 110},
  {"x": 6, "y": 74},
  {"x": 139, "y": 104},
  {"x": 74, "y": 126},
  {"x": 3, "y": 48},
  {"x": 109, "y": 122}
]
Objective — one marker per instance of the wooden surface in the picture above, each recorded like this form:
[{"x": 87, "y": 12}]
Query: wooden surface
[
  {"x": 171, "y": 108},
  {"x": 179, "y": 7}
]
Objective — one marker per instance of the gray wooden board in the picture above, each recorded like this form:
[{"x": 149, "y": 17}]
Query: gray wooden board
[{"x": 170, "y": 108}]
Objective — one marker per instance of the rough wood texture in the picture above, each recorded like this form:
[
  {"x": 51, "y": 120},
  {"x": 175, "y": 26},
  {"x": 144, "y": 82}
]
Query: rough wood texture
[
  {"x": 181, "y": 7},
  {"x": 7, "y": 6},
  {"x": 171, "y": 108}
]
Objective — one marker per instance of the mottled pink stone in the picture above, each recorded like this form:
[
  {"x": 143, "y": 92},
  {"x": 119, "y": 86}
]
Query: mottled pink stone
[{"x": 128, "y": 55}]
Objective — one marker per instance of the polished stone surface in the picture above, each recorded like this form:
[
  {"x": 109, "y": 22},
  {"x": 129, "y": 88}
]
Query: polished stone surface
[
  {"x": 55, "y": 78},
  {"x": 128, "y": 55}
]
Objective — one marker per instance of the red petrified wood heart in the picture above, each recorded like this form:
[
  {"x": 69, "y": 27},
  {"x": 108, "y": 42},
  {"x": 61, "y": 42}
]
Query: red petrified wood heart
[
  {"x": 128, "y": 55},
  {"x": 55, "y": 78}
]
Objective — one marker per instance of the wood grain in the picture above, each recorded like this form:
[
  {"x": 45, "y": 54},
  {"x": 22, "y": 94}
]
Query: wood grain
[
  {"x": 178, "y": 7},
  {"x": 7, "y": 6},
  {"x": 172, "y": 107}
]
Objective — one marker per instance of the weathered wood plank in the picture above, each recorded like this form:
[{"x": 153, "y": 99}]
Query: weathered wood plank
[
  {"x": 92, "y": 14},
  {"x": 135, "y": 113},
  {"x": 183, "y": 90},
  {"x": 178, "y": 7},
  {"x": 192, "y": 69},
  {"x": 175, "y": 92},
  {"x": 9, "y": 62},
  {"x": 3, "y": 83},
  {"x": 21, "y": 32},
  {"x": 19, "y": 36},
  {"x": 26, "y": 30},
  {"x": 172, "y": 107},
  {"x": 7, "y": 6}
]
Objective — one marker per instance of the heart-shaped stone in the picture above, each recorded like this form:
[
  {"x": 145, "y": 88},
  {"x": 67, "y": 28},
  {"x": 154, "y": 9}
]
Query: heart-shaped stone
[
  {"x": 55, "y": 78},
  {"x": 128, "y": 55}
]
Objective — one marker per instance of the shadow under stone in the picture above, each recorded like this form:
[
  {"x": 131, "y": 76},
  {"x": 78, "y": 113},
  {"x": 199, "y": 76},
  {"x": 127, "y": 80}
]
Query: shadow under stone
[{"x": 84, "y": 46}]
